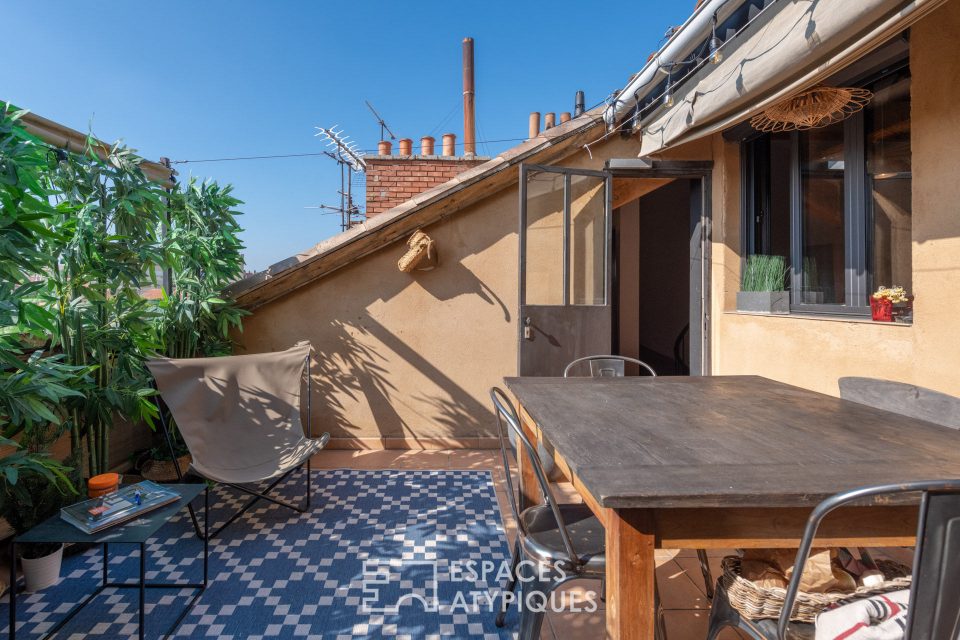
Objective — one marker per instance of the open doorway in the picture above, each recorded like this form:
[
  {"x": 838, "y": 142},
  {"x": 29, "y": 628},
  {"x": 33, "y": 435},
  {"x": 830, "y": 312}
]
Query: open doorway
[{"x": 658, "y": 271}]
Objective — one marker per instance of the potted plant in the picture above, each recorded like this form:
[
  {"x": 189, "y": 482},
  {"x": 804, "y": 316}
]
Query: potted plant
[
  {"x": 889, "y": 303},
  {"x": 762, "y": 285},
  {"x": 34, "y": 487}
]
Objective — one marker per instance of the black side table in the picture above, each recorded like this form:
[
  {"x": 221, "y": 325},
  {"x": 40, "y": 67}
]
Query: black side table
[{"x": 138, "y": 531}]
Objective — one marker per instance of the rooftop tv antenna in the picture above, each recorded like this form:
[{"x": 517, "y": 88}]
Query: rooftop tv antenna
[
  {"x": 350, "y": 159},
  {"x": 380, "y": 121}
]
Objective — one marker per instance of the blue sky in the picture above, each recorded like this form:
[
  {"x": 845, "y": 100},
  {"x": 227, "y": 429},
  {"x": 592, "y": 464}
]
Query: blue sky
[{"x": 213, "y": 79}]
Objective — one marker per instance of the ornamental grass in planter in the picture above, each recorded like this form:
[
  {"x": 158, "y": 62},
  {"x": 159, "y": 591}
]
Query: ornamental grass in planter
[{"x": 762, "y": 285}]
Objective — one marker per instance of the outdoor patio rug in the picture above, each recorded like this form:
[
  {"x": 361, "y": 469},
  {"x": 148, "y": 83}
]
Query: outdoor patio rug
[{"x": 381, "y": 554}]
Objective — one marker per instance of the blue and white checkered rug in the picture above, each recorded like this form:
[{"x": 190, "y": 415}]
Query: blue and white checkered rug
[{"x": 380, "y": 554}]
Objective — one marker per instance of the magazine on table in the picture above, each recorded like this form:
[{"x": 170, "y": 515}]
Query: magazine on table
[{"x": 123, "y": 505}]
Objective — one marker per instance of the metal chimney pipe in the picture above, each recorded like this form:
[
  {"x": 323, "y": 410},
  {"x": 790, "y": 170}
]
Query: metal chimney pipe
[
  {"x": 579, "y": 104},
  {"x": 564, "y": 117},
  {"x": 549, "y": 121},
  {"x": 449, "y": 144},
  {"x": 469, "y": 113},
  {"x": 384, "y": 148},
  {"x": 406, "y": 147},
  {"x": 426, "y": 145},
  {"x": 534, "y": 124}
]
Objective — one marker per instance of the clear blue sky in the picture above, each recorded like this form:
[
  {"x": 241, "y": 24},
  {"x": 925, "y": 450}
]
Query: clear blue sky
[{"x": 217, "y": 78}]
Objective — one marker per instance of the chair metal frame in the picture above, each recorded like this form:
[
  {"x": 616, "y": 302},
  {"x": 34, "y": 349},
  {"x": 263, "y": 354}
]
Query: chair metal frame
[
  {"x": 928, "y": 571},
  {"x": 257, "y": 495},
  {"x": 623, "y": 359},
  {"x": 568, "y": 560},
  {"x": 938, "y": 538}
]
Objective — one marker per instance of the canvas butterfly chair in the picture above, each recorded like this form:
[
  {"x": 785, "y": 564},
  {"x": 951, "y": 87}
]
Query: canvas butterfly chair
[{"x": 240, "y": 419}]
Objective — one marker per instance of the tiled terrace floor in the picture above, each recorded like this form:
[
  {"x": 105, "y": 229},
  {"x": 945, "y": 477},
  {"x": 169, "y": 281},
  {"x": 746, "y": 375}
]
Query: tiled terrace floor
[{"x": 678, "y": 572}]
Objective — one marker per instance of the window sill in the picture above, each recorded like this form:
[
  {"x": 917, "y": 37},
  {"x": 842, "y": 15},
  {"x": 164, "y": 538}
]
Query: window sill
[{"x": 821, "y": 317}]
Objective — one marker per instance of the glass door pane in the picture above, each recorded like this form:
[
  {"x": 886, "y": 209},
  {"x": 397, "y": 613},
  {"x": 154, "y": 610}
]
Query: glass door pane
[
  {"x": 588, "y": 239},
  {"x": 544, "y": 242}
]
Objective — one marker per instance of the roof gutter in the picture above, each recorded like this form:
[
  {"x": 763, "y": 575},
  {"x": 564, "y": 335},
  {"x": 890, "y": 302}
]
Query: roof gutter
[{"x": 681, "y": 44}]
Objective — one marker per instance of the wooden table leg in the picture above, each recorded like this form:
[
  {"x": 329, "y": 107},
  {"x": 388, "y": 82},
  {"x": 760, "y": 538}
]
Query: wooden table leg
[
  {"x": 631, "y": 568},
  {"x": 530, "y": 495}
]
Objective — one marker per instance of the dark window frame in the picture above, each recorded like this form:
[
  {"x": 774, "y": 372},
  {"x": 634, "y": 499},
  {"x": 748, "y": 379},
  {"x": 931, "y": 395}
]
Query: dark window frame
[{"x": 858, "y": 213}]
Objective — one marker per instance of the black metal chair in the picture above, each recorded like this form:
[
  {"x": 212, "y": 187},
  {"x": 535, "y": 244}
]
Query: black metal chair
[
  {"x": 550, "y": 536},
  {"x": 934, "y": 612},
  {"x": 904, "y": 399},
  {"x": 615, "y": 367}
]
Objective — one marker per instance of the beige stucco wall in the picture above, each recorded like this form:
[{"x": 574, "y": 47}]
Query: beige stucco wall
[{"x": 814, "y": 353}]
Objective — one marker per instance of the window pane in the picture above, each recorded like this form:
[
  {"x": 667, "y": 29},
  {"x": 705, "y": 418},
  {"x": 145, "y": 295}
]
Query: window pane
[
  {"x": 889, "y": 180},
  {"x": 587, "y": 239},
  {"x": 822, "y": 215},
  {"x": 544, "y": 266}
]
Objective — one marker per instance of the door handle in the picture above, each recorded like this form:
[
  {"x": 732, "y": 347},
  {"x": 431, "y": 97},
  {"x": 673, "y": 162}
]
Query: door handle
[{"x": 527, "y": 328}]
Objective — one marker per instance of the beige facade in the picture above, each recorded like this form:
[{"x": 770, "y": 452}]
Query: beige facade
[{"x": 406, "y": 360}]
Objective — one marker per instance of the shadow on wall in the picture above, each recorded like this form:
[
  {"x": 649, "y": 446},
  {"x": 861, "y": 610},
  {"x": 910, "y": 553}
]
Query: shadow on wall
[{"x": 349, "y": 368}]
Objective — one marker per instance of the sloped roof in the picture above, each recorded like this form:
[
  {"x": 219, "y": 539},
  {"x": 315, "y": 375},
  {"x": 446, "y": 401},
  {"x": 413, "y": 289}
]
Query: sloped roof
[{"x": 433, "y": 204}]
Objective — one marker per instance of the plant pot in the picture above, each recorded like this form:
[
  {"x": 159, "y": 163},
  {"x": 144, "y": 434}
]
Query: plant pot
[
  {"x": 881, "y": 310},
  {"x": 163, "y": 470},
  {"x": 763, "y": 301},
  {"x": 43, "y": 572}
]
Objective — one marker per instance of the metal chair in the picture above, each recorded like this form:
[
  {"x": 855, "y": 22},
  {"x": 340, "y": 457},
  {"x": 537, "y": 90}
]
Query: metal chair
[
  {"x": 607, "y": 366},
  {"x": 904, "y": 399},
  {"x": 550, "y": 536},
  {"x": 935, "y": 590},
  {"x": 615, "y": 367}
]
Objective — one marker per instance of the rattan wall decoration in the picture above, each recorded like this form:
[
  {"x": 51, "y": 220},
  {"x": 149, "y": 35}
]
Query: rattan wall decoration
[
  {"x": 421, "y": 254},
  {"x": 813, "y": 108}
]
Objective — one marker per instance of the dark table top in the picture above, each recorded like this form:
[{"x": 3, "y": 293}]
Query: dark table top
[
  {"x": 726, "y": 441},
  {"x": 56, "y": 529}
]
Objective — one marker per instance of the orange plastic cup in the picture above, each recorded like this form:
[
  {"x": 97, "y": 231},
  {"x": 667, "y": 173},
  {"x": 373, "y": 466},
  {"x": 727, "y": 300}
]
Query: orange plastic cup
[{"x": 103, "y": 484}]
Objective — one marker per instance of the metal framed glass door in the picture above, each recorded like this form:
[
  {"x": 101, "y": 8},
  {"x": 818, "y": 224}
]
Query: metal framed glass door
[{"x": 565, "y": 267}]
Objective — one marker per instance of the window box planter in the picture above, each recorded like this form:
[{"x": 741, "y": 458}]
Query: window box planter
[{"x": 763, "y": 301}]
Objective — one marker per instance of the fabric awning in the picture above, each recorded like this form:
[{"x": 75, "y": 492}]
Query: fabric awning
[{"x": 805, "y": 42}]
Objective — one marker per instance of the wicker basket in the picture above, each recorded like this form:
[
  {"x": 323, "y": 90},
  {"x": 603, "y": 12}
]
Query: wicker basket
[
  {"x": 757, "y": 603},
  {"x": 163, "y": 470}
]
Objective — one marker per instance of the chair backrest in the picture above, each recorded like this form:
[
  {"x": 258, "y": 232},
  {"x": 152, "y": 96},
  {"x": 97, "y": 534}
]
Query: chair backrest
[
  {"x": 935, "y": 591},
  {"x": 602, "y": 366},
  {"x": 503, "y": 407},
  {"x": 239, "y": 411},
  {"x": 905, "y": 399}
]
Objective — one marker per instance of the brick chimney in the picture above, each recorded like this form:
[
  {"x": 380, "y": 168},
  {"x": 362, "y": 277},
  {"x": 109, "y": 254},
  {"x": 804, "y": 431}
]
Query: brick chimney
[{"x": 394, "y": 179}]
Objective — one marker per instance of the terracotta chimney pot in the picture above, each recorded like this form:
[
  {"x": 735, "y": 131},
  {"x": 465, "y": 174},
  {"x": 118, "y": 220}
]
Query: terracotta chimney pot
[
  {"x": 406, "y": 147},
  {"x": 449, "y": 144},
  {"x": 564, "y": 117},
  {"x": 534, "y": 129},
  {"x": 426, "y": 145},
  {"x": 549, "y": 121},
  {"x": 384, "y": 148}
]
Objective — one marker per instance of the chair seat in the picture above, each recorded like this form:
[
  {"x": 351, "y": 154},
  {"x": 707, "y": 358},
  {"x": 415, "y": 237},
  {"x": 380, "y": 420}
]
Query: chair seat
[
  {"x": 289, "y": 457},
  {"x": 544, "y": 543}
]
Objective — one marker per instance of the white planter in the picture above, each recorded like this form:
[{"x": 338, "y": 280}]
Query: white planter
[{"x": 40, "y": 573}]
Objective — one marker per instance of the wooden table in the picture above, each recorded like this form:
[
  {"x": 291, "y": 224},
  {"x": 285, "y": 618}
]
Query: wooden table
[{"x": 722, "y": 462}]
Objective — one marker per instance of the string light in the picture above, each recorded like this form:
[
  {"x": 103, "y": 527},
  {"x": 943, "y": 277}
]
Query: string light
[{"x": 716, "y": 55}]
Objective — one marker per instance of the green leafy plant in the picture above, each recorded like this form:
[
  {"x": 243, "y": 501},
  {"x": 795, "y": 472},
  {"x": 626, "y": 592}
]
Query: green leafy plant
[
  {"x": 81, "y": 234},
  {"x": 764, "y": 273}
]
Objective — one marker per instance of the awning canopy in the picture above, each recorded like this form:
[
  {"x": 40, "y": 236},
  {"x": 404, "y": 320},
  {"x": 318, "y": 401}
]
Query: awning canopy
[{"x": 801, "y": 44}]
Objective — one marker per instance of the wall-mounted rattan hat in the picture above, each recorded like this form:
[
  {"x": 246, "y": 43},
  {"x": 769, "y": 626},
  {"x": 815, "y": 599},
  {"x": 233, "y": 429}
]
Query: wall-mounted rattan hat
[{"x": 816, "y": 107}]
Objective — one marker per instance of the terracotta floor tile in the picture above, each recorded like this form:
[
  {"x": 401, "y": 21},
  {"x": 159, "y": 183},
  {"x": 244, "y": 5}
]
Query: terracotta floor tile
[
  {"x": 677, "y": 590},
  {"x": 686, "y": 625}
]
